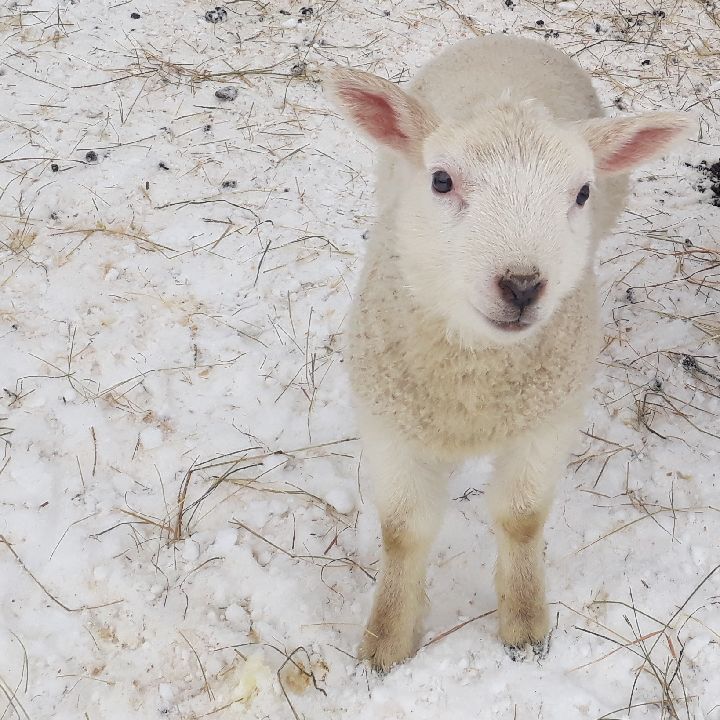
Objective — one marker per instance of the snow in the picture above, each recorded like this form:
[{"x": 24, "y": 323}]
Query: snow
[
  {"x": 183, "y": 505},
  {"x": 341, "y": 499}
]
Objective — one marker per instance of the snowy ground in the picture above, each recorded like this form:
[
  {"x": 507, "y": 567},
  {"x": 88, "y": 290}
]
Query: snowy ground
[{"x": 185, "y": 527}]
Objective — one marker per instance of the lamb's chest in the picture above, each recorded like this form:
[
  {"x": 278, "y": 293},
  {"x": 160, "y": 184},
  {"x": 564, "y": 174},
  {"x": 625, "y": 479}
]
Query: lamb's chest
[{"x": 458, "y": 401}]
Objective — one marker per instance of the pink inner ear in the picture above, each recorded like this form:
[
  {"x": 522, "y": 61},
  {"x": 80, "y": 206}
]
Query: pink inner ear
[
  {"x": 642, "y": 145},
  {"x": 375, "y": 115}
]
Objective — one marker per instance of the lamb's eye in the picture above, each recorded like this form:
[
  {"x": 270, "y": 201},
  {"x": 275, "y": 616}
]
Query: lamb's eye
[
  {"x": 441, "y": 182},
  {"x": 583, "y": 195}
]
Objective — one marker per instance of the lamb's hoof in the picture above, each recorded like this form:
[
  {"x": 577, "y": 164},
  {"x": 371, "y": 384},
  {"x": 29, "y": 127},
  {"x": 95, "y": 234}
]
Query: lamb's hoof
[
  {"x": 517, "y": 653},
  {"x": 384, "y": 651},
  {"x": 520, "y": 653}
]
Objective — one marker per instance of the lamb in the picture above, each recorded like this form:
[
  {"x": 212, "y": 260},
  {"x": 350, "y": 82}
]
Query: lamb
[{"x": 476, "y": 325}]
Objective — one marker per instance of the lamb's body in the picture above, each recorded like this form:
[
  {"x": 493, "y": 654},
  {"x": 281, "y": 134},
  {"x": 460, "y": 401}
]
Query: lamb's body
[
  {"x": 498, "y": 242},
  {"x": 460, "y": 400}
]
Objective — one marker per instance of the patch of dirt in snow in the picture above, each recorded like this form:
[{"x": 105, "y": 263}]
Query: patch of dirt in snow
[{"x": 181, "y": 225}]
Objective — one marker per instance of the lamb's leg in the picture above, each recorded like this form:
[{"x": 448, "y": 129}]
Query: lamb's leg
[
  {"x": 410, "y": 498},
  {"x": 527, "y": 469}
]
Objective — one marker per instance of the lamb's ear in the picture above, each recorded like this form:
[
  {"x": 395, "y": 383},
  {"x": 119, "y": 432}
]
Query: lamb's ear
[
  {"x": 380, "y": 109},
  {"x": 621, "y": 144}
]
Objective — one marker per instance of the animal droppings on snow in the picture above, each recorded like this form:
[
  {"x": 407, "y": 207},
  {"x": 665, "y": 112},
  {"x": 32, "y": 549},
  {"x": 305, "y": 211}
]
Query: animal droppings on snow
[
  {"x": 710, "y": 173},
  {"x": 217, "y": 15},
  {"x": 228, "y": 93},
  {"x": 341, "y": 500}
]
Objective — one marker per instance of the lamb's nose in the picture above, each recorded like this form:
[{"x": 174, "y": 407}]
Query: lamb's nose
[{"x": 521, "y": 290}]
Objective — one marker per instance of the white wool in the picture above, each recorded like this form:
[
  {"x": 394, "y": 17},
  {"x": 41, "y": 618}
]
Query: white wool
[{"x": 496, "y": 182}]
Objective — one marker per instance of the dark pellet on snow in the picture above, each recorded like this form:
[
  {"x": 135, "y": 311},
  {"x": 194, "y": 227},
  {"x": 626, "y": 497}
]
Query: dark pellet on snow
[
  {"x": 284, "y": 12},
  {"x": 540, "y": 22},
  {"x": 207, "y": 128},
  {"x": 54, "y": 167},
  {"x": 645, "y": 62},
  {"x": 226, "y": 93},
  {"x": 135, "y": 16},
  {"x": 163, "y": 165},
  {"x": 216, "y": 15},
  {"x": 306, "y": 11},
  {"x": 510, "y": 4},
  {"x": 710, "y": 181},
  {"x": 689, "y": 363},
  {"x": 91, "y": 156},
  {"x": 229, "y": 184},
  {"x": 298, "y": 69}
]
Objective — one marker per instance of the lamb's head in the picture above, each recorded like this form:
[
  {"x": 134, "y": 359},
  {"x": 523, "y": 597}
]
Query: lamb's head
[{"x": 494, "y": 213}]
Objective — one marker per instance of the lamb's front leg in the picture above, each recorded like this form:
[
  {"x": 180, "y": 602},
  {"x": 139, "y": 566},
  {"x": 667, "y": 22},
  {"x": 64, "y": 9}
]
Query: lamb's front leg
[
  {"x": 410, "y": 498},
  {"x": 527, "y": 470}
]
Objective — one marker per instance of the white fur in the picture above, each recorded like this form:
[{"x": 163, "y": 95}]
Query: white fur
[{"x": 518, "y": 127}]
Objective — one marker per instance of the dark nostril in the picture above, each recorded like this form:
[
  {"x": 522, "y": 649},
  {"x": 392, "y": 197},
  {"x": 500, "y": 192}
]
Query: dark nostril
[{"x": 521, "y": 290}]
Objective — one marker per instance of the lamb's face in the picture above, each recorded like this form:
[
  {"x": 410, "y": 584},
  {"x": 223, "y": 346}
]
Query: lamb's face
[
  {"x": 493, "y": 215},
  {"x": 497, "y": 222}
]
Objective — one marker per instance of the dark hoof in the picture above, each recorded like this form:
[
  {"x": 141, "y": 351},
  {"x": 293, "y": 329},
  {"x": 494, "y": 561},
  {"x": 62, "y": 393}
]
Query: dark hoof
[
  {"x": 520, "y": 653},
  {"x": 517, "y": 653}
]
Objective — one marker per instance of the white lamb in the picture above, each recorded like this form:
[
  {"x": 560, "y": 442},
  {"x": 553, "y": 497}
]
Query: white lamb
[{"x": 476, "y": 327}]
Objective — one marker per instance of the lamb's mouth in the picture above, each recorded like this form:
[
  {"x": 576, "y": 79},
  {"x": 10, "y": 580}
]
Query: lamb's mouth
[
  {"x": 520, "y": 323},
  {"x": 524, "y": 321},
  {"x": 510, "y": 325}
]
